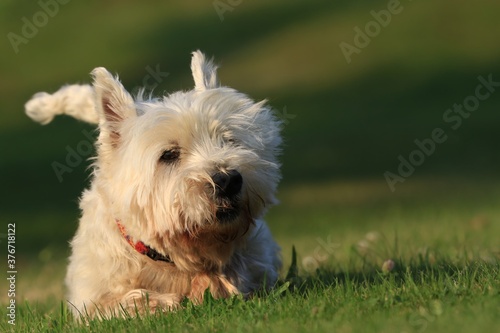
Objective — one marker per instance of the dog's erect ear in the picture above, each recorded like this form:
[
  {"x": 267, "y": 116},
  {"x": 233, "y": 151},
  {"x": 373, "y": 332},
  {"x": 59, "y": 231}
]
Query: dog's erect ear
[
  {"x": 113, "y": 103},
  {"x": 204, "y": 72}
]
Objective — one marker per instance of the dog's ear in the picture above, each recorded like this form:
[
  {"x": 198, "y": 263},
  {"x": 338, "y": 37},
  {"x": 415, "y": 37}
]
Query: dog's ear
[
  {"x": 204, "y": 72},
  {"x": 113, "y": 103}
]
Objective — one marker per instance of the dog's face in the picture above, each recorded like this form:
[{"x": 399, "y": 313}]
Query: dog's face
[{"x": 202, "y": 161}]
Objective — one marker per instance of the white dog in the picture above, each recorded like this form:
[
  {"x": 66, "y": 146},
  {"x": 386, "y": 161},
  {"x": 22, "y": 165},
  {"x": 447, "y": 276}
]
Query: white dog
[{"x": 179, "y": 187}]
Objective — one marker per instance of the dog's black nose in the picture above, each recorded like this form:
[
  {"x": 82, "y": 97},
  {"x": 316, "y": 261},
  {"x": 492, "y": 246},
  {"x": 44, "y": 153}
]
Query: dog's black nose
[{"x": 227, "y": 184}]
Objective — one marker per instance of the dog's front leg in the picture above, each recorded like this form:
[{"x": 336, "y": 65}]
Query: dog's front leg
[
  {"x": 218, "y": 285},
  {"x": 142, "y": 300}
]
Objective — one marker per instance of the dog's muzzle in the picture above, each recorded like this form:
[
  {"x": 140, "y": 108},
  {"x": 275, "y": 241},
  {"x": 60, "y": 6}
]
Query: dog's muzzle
[{"x": 227, "y": 194}]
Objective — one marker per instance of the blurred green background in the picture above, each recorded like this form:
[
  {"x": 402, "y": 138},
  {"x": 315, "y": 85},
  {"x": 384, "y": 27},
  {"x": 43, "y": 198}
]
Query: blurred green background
[{"x": 345, "y": 123}]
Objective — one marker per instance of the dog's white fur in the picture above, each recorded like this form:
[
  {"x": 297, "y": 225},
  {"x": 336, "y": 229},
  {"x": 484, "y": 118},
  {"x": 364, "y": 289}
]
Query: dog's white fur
[{"x": 169, "y": 206}]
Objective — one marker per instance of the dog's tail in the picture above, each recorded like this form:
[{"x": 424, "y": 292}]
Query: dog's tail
[{"x": 77, "y": 101}]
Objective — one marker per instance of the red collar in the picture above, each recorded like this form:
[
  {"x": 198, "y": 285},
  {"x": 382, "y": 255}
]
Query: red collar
[{"x": 141, "y": 247}]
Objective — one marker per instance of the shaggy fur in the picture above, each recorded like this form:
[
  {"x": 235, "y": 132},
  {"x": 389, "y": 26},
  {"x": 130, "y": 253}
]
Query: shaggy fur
[{"x": 163, "y": 172}]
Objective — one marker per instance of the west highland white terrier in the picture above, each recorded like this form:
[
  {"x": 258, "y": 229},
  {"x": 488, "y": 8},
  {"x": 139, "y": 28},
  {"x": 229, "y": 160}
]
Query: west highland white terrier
[{"x": 179, "y": 188}]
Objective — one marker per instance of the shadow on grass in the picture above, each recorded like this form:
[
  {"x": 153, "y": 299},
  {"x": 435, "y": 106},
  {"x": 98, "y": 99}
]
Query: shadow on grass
[
  {"x": 411, "y": 284},
  {"x": 421, "y": 275}
]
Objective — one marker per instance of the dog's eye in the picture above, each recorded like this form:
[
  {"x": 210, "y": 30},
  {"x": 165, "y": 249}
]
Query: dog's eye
[{"x": 170, "y": 155}]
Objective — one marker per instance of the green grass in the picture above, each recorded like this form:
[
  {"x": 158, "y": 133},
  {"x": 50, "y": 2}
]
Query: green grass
[{"x": 423, "y": 294}]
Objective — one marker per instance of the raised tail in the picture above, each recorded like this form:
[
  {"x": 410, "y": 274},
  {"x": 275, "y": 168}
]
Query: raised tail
[{"x": 77, "y": 101}]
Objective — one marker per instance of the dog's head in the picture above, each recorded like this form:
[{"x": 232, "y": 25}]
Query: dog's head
[{"x": 191, "y": 162}]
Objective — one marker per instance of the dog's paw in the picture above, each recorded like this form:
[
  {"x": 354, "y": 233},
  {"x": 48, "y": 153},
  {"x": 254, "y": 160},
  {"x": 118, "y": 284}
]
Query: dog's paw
[
  {"x": 142, "y": 300},
  {"x": 219, "y": 287}
]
